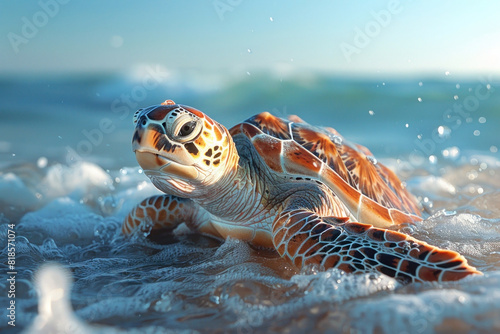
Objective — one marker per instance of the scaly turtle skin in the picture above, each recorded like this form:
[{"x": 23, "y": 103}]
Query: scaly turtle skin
[{"x": 282, "y": 184}]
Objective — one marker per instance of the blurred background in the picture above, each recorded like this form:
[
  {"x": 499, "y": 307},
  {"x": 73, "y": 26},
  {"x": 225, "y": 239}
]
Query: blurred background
[{"x": 393, "y": 75}]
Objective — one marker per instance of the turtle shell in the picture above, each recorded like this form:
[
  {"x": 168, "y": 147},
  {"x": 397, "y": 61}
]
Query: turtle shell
[{"x": 370, "y": 190}]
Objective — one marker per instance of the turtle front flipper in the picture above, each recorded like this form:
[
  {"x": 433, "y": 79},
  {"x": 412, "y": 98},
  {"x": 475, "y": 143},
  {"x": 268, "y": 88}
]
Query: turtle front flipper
[
  {"x": 304, "y": 238},
  {"x": 165, "y": 212}
]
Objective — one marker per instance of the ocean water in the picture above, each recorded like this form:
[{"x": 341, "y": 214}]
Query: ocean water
[{"x": 68, "y": 177}]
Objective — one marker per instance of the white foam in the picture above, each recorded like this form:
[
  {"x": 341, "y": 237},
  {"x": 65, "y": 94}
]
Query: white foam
[
  {"x": 468, "y": 234},
  {"x": 463, "y": 227},
  {"x": 334, "y": 285},
  {"x": 81, "y": 180},
  {"x": 302, "y": 293},
  {"x": 31, "y": 189},
  {"x": 422, "y": 312},
  {"x": 13, "y": 191},
  {"x": 64, "y": 220},
  {"x": 434, "y": 184}
]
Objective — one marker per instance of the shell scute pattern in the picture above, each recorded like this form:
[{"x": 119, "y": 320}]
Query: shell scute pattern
[
  {"x": 323, "y": 153},
  {"x": 270, "y": 151},
  {"x": 298, "y": 160},
  {"x": 271, "y": 125},
  {"x": 321, "y": 145}
]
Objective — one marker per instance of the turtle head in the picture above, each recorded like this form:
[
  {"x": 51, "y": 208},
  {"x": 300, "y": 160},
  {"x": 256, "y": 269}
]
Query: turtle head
[{"x": 181, "y": 149}]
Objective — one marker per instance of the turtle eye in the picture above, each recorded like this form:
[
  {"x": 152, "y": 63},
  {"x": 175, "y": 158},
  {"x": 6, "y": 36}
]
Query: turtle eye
[{"x": 186, "y": 128}]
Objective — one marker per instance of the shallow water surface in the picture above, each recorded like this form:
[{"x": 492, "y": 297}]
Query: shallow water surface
[{"x": 67, "y": 205}]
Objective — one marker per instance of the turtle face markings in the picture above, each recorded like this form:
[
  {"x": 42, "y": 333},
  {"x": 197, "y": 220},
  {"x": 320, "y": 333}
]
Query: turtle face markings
[
  {"x": 175, "y": 141},
  {"x": 213, "y": 156}
]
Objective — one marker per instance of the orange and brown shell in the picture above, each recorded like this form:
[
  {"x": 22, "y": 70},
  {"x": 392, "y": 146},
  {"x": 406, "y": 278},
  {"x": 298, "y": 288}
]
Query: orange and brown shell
[{"x": 371, "y": 191}]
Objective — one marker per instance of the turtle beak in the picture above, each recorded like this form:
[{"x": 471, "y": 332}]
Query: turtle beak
[
  {"x": 154, "y": 162},
  {"x": 144, "y": 144},
  {"x": 150, "y": 161}
]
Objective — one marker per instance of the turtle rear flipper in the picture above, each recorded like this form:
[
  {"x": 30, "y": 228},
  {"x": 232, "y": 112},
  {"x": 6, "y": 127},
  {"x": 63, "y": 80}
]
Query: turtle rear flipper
[{"x": 304, "y": 238}]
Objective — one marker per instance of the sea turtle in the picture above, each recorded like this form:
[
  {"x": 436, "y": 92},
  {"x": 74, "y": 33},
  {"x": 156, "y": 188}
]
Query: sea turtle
[{"x": 284, "y": 184}]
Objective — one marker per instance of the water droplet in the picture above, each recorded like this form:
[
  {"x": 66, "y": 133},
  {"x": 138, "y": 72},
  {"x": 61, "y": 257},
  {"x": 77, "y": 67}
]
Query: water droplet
[
  {"x": 427, "y": 203},
  {"x": 488, "y": 86},
  {"x": 480, "y": 190},
  {"x": 448, "y": 213},
  {"x": 407, "y": 125},
  {"x": 472, "y": 175},
  {"x": 271, "y": 19},
  {"x": 371, "y": 112},
  {"x": 419, "y": 136},
  {"x": 420, "y": 83},
  {"x": 59, "y": 137},
  {"x": 483, "y": 165},
  {"x": 458, "y": 86},
  {"x": 407, "y": 229},
  {"x": 451, "y": 152},
  {"x": 419, "y": 99},
  {"x": 455, "y": 97},
  {"x": 336, "y": 139},
  {"x": 447, "y": 73},
  {"x": 477, "y": 133},
  {"x": 248, "y": 73},
  {"x": 444, "y": 131},
  {"x": 433, "y": 159},
  {"x": 493, "y": 149},
  {"x": 406, "y": 246},
  {"x": 482, "y": 119},
  {"x": 42, "y": 162},
  {"x": 249, "y": 51},
  {"x": 372, "y": 159}
]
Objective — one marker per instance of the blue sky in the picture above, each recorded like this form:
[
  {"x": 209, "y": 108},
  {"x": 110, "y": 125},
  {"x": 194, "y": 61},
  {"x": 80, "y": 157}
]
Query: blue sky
[{"x": 400, "y": 37}]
